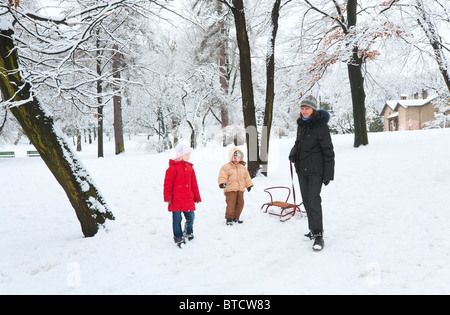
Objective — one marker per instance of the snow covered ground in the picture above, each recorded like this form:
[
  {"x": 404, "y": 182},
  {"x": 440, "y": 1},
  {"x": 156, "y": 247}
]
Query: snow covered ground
[{"x": 386, "y": 217}]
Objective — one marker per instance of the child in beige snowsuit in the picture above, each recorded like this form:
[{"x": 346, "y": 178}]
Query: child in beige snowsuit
[{"x": 234, "y": 179}]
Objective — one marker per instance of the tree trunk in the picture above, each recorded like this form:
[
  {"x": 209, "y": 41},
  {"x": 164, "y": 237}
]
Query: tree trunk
[
  {"x": 248, "y": 103},
  {"x": 193, "y": 146},
  {"x": 270, "y": 90},
  {"x": 100, "y": 130},
  {"x": 357, "y": 84},
  {"x": 5, "y": 118},
  {"x": 223, "y": 73},
  {"x": 38, "y": 125},
  {"x": 117, "y": 100},
  {"x": 100, "y": 102},
  {"x": 79, "y": 149}
]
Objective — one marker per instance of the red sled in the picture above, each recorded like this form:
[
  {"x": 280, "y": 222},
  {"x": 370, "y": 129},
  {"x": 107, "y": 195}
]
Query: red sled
[{"x": 288, "y": 210}]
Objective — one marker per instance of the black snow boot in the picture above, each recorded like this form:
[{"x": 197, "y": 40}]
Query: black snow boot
[
  {"x": 238, "y": 221},
  {"x": 179, "y": 241},
  {"x": 189, "y": 236},
  {"x": 230, "y": 221},
  {"x": 309, "y": 235},
  {"x": 319, "y": 243}
]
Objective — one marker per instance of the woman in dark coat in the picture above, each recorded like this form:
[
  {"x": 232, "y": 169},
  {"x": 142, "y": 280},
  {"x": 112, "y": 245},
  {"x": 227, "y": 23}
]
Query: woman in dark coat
[{"x": 313, "y": 156}]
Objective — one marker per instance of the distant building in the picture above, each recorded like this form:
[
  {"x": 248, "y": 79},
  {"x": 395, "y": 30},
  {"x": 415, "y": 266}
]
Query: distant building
[{"x": 409, "y": 114}]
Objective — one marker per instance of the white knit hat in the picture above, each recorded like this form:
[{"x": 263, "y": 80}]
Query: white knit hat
[{"x": 182, "y": 149}]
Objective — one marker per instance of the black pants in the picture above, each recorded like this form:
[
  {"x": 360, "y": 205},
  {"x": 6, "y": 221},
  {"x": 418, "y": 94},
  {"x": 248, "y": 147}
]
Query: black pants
[{"x": 310, "y": 187}]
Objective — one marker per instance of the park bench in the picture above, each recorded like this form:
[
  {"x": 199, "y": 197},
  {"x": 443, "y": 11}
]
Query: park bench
[
  {"x": 7, "y": 154},
  {"x": 32, "y": 153}
]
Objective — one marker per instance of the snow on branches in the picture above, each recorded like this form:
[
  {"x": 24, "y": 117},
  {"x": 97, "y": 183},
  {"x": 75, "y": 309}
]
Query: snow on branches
[
  {"x": 341, "y": 39},
  {"x": 60, "y": 46}
]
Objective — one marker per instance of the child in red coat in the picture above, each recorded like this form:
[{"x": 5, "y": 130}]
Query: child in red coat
[{"x": 181, "y": 193}]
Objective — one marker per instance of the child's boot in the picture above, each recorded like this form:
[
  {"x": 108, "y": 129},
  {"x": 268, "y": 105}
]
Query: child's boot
[
  {"x": 179, "y": 241},
  {"x": 189, "y": 236}
]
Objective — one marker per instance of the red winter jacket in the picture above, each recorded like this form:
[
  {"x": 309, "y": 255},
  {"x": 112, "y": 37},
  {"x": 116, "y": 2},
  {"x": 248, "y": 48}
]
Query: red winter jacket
[{"x": 180, "y": 186}]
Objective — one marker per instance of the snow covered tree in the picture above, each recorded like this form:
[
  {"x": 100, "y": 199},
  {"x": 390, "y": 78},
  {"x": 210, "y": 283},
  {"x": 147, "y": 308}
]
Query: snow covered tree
[
  {"x": 270, "y": 85},
  {"x": 117, "y": 100},
  {"x": 429, "y": 21},
  {"x": 345, "y": 39},
  {"x": 38, "y": 124},
  {"x": 37, "y": 50},
  {"x": 214, "y": 50},
  {"x": 248, "y": 100}
]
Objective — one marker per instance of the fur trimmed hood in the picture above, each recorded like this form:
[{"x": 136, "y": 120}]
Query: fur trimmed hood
[
  {"x": 238, "y": 151},
  {"x": 322, "y": 119}
]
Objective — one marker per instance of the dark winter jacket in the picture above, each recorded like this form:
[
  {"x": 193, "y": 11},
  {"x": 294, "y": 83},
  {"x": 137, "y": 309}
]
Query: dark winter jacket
[
  {"x": 313, "y": 152},
  {"x": 180, "y": 186}
]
